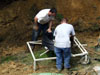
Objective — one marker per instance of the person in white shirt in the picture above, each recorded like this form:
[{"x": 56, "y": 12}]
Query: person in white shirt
[
  {"x": 43, "y": 22},
  {"x": 63, "y": 32}
]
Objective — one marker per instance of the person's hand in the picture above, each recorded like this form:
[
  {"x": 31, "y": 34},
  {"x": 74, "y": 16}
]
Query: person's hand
[
  {"x": 49, "y": 30},
  {"x": 35, "y": 27}
]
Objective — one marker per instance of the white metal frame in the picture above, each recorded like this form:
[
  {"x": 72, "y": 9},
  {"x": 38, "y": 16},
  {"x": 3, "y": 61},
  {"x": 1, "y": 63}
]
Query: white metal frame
[{"x": 83, "y": 50}]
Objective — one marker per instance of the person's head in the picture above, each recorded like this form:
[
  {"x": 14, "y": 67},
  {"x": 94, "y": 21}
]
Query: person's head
[
  {"x": 64, "y": 20},
  {"x": 52, "y": 12}
]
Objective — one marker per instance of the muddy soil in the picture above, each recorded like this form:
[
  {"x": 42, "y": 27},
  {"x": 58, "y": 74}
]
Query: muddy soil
[{"x": 22, "y": 62}]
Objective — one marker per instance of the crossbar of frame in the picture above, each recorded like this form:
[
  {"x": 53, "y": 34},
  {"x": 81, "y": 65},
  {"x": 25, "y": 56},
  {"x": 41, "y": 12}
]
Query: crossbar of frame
[{"x": 83, "y": 50}]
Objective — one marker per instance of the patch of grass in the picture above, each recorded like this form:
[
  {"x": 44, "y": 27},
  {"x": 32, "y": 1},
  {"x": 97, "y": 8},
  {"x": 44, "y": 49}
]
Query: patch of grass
[
  {"x": 26, "y": 58},
  {"x": 59, "y": 17},
  {"x": 37, "y": 54},
  {"x": 48, "y": 54},
  {"x": 7, "y": 58}
]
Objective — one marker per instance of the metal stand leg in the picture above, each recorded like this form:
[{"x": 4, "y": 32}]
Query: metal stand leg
[{"x": 34, "y": 65}]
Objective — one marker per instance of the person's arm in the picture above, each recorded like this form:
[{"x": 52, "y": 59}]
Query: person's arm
[
  {"x": 72, "y": 36},
  {"x": 50, "y": 26},
  {"x": 36, "y": 25},
  {"x": 72, "y": 40}
]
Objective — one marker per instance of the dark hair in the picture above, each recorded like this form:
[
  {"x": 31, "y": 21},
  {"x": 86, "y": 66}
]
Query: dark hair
[
  {"x": 53, "y": 10},
  {"x": 66, "y": 19}
]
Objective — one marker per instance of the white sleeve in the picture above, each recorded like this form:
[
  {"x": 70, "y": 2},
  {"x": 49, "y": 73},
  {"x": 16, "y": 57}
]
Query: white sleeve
[{"x": 40, "y": 14}]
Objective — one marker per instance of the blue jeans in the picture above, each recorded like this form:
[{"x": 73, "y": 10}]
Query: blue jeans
[
  {"x": 62, "y": 53},
  {"x": 36, "y": 33}
]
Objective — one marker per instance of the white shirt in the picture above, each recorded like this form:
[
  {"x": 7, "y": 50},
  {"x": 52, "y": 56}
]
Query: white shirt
[
  {"x": 62, "y": 35},
  {"x": 43, "y": 17}
]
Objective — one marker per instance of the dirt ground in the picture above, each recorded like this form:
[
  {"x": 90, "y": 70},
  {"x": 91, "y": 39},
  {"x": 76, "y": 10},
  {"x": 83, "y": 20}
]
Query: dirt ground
[
  {"x": 22, "y": 62},
  {"x": 16, "y": 25}
]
